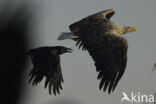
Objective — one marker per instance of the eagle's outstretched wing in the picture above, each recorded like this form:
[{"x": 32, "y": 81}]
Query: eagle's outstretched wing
[
  {"x": 109, "y": 51},
  {"x": 46, "y": 64}
]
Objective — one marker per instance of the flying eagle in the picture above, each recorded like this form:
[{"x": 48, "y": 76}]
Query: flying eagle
[
  {"x": 46, "y": 63},
  {"x": 103, "y": 39}
]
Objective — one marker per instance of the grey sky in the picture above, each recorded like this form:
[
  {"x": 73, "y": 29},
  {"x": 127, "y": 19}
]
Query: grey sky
[{"x": 80, "y": 78}]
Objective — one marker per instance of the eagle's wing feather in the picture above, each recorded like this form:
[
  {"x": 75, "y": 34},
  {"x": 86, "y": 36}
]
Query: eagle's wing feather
[
  {"x": 48, "y": 65},
  {"x": 109, "y": 51}
]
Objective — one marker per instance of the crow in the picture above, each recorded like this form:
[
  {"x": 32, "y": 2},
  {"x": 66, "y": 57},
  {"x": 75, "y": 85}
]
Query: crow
[{"x": 46, "y": 63}]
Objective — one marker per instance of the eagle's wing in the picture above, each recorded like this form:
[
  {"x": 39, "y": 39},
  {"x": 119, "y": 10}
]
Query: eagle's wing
[
  {"x": 109, "y": 51},
  {"x": 48, "y": 65},
  {"x": 83, "y": 24}
]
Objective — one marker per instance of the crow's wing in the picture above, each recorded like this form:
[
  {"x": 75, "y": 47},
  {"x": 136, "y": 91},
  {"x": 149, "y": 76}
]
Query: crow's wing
[
  {"x": 46, "y": 64},
  {"x": 109, "y": 51},
  {"x": 54, "y": 78}
]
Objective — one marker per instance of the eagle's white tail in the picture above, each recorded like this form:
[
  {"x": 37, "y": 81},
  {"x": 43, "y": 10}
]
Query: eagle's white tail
[{"x": 66, "y": 35}]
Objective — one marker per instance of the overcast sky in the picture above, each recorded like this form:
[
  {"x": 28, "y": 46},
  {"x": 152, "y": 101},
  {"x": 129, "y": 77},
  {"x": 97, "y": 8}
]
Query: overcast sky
[{"x": 80, "y": 78}]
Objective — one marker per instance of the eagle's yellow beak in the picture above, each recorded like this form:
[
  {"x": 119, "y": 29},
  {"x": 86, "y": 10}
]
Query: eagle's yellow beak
[{"x": 134, "y": 29}]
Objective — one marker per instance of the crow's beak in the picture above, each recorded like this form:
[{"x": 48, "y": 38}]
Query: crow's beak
[{"x": 69, "y": 50}]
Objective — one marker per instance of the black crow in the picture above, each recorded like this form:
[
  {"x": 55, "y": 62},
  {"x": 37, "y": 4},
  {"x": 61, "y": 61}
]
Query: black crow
[{"x": 46, "y": 63}]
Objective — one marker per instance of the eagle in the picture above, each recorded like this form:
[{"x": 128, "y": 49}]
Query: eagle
[
  {"x": 104, "y": 41},
  {"x": 46, "y": 63}
]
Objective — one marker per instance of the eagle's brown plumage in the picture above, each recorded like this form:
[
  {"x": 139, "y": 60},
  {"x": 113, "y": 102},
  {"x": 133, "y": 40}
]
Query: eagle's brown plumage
[{"x": 102, "y": 38}]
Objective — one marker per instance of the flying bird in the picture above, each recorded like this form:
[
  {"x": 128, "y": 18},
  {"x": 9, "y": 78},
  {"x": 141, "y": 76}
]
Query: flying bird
[
  {"x": 46, "y": 63},
  {"x": 103, "y": 39}
]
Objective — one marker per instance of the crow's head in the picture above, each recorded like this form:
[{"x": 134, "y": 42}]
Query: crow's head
[{"x": 61, "y": 50}]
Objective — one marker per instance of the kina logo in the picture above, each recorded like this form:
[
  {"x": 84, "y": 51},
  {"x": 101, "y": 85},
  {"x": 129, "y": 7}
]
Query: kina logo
[{"x": 137, "y": 98}]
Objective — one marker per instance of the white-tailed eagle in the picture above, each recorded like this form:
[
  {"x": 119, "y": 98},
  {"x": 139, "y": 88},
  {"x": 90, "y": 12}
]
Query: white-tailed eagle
[{"x": 104, "y": 41}]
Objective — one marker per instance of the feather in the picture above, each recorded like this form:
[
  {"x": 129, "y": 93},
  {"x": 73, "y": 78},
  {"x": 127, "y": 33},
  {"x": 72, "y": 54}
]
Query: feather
[{"x": 66, "y": 35}]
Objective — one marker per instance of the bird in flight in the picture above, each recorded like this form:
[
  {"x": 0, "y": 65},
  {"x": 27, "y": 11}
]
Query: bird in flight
[
  {"x": 46, "y": 63},
  {"x": 104, "y": 41}
]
